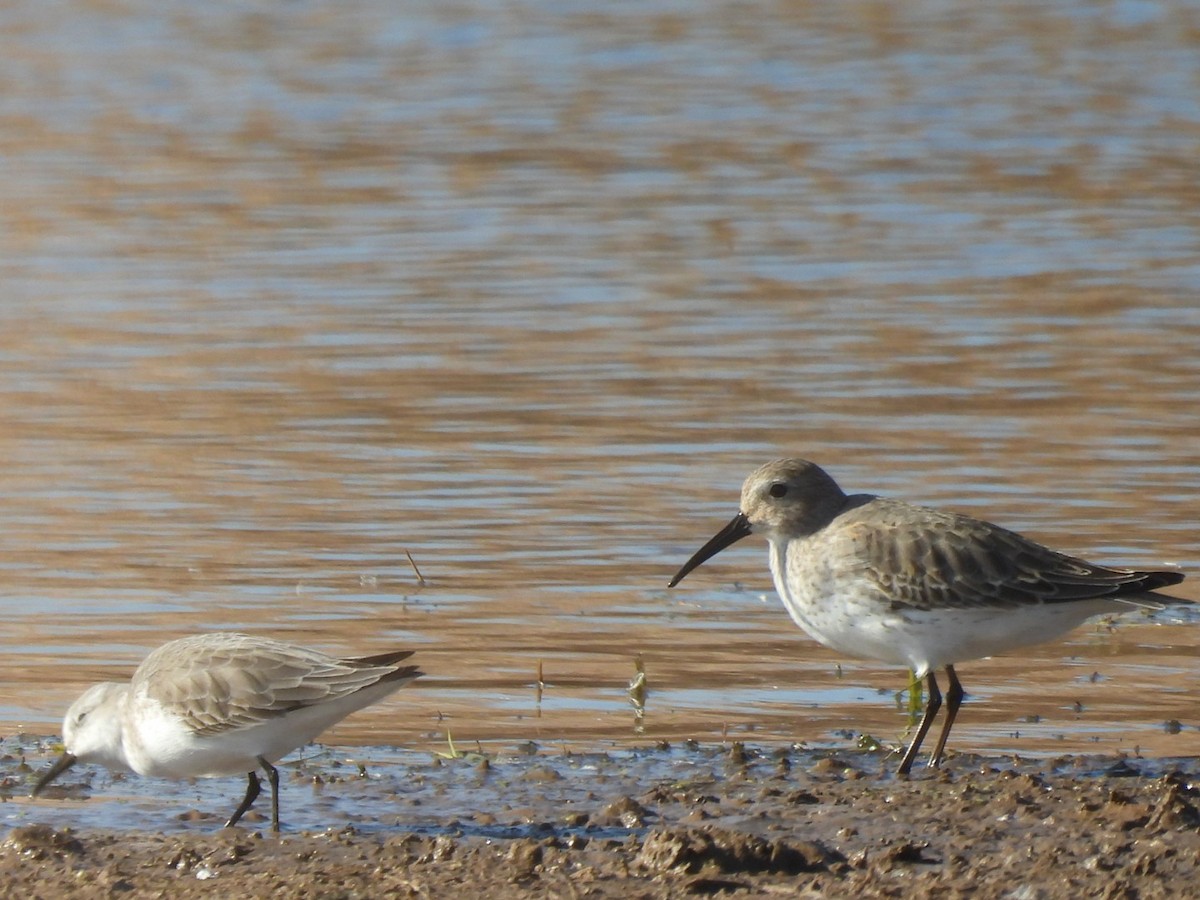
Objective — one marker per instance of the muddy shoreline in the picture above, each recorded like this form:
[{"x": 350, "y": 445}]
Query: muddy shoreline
[{"x": 660, "y": 821}]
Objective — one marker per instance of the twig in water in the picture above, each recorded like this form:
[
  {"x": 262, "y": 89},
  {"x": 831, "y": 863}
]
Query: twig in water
[{"x": 413, "y": 563}]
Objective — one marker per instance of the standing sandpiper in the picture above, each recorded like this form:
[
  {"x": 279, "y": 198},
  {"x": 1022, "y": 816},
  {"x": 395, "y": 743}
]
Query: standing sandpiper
[{"x": 913, "y": 586}]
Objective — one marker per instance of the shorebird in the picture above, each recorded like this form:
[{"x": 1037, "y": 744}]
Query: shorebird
[
  {"x": 221, "y": 704},
  {"x": 913, "y": 586}
]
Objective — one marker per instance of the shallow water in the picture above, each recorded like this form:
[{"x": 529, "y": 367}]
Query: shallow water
[
  {"x": 534, "y": 790},
  {"x": 526, "y": 290}
]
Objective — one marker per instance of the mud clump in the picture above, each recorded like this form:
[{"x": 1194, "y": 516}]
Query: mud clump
[
  {"x": 40, "y": 842},
  {"x": 691, "y": 850},
  {"x": 625, "y": 812}
]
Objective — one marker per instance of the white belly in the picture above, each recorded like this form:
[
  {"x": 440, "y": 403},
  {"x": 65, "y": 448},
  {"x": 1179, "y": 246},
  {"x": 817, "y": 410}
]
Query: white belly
[{"x": 850, "y": 614}]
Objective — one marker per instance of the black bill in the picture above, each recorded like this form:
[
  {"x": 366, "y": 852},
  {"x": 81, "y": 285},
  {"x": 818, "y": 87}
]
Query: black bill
[
  {"x": 737, "y": 529},
  {"x": 61, "y": 765}
]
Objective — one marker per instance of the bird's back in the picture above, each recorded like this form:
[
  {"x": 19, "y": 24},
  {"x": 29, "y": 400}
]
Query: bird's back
[{"x": 924, "y": 558}]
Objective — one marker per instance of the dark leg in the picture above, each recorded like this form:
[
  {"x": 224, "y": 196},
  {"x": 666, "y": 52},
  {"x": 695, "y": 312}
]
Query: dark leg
[
  {"x": 932, "y": 705},
  {"x": 954, "y": 699},
  {"x": 273, "y": 777},
  {"x": 253, "y": 788}
]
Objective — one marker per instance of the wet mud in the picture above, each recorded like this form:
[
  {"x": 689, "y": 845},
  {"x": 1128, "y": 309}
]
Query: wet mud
[{"x": 660, "y": 821}]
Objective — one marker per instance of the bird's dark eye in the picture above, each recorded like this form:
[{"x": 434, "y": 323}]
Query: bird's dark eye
[{"x": 777, "y": 490}]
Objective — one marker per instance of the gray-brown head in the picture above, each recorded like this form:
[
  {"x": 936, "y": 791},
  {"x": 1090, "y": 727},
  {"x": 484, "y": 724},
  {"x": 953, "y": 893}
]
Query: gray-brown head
[
  {"x": 790, "y": 498},
  {"x": 784, "y": 499}
]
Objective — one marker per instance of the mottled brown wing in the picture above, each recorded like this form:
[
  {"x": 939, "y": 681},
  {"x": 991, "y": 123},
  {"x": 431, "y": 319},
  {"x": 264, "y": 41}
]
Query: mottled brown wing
[
  {"x": 223, "y": 682},
  {"x": 925, "y": 559}
]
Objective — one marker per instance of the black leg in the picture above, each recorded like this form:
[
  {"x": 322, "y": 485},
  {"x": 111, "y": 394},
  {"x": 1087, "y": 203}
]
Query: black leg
[
  {"x": 932, "y": 705},
  {"x": 253, "y": 788},
  {"x": 954, "y": 699},
  {"x": 273, "y": 777}
]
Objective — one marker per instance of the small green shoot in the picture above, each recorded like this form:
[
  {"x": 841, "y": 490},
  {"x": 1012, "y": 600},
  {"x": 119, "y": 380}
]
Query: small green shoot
[{"x": 453, "y": 753}]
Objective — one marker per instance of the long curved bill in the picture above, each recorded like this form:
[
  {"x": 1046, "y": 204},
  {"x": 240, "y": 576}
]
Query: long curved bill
[
  {"x": 738, "y": 528},
  {"x": 61, "y": 765}
]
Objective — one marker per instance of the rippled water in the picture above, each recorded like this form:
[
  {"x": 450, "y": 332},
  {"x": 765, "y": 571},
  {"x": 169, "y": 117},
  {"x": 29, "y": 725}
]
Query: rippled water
[{"x": 526, "y": 289}]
